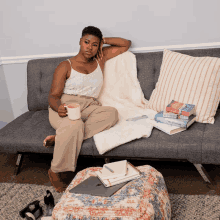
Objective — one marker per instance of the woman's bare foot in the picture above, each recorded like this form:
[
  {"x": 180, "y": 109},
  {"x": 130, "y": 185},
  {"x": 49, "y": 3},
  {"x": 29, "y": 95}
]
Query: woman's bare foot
[
  {"x": 56, "y": 181},
  {"x": 49, "y": 141}
]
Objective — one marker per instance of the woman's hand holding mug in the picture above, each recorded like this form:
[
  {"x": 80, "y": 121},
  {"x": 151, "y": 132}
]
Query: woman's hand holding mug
[
  {"x": 73, "y": 111},
  {"x": 62, "y": 111}
]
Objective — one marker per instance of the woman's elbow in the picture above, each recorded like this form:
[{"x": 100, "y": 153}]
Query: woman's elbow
[{"x": 129, "y": 44}]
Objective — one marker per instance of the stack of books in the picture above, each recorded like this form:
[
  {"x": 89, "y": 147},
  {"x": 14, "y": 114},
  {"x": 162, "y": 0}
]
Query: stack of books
[
  {"x": 117, "y": 172},
  {"x": 177, "y": 117},
  {"x": 108, "y": 180}
]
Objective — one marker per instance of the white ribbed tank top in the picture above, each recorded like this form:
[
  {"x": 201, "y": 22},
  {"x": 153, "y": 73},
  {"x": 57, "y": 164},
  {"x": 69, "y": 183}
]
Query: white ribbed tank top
[{"x": 84, "y": 84}]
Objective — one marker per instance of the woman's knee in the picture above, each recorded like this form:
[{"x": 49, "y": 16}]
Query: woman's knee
[
  {"x": 114, "y": 117},
  {"x": 54, "y": 119},
  {"x": 76, "y": 124},
  {"x": 72, "y": 125}
]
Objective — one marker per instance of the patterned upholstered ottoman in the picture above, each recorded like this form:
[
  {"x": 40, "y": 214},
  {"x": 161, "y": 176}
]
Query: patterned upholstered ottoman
[{"x": 144, "y": 198}]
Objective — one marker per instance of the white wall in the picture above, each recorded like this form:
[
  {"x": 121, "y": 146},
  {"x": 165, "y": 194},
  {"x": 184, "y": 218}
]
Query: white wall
[
  {"x": 6, "y": 112},
  {"x": 16, "y": 79},
  {"x": 51, "y": 27}
]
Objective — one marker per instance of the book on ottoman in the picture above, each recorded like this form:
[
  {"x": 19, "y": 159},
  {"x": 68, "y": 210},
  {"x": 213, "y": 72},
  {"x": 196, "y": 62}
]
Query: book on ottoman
[
  {"x": 132, "y": 173},
  {"x": 113, "y": 170}
]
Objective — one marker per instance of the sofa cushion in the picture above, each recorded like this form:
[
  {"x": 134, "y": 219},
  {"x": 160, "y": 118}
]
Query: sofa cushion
[
  {"x": 198, "y": 144},
  {"x": 186, "y": 145},
  {"x": 27, "y": 132},
  {"x": 163, "y": 146},
  {"x": 145, "y": 72},
  {"x": 188, "y": 79}
]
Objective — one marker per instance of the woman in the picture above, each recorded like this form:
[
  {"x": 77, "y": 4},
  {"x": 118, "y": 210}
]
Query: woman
[{"x": 79, "y": 79}]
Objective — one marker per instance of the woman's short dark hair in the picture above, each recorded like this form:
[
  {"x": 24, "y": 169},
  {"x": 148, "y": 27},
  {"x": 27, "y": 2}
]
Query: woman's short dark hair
[{"x": 93, "y": 31}]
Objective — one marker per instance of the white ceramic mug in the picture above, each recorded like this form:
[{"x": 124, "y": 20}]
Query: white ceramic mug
[{"x": 73, "y": 111}]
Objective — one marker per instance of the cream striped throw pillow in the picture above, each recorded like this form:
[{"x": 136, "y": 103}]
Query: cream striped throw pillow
[{"x": 187, "y": 79}]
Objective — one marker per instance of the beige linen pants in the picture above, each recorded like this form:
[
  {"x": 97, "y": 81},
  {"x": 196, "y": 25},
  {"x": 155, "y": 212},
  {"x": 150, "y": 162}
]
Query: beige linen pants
[{"x": 71, "y": 133}]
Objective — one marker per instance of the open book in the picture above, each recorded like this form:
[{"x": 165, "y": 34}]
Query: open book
[
  {"x": 132, "y": 173},
  {"x": 119, "y": 168}
]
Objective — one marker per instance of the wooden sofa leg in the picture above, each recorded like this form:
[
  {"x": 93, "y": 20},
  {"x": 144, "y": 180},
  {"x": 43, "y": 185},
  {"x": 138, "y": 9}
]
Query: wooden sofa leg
[
  {"x": 107, "y": 160},
  {"x": 204, "y": 175},
  {"x": 18, "y": 164}
]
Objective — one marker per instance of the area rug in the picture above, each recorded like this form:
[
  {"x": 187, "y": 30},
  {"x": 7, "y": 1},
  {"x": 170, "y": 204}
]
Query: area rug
[{"x": 14, "y": 197}]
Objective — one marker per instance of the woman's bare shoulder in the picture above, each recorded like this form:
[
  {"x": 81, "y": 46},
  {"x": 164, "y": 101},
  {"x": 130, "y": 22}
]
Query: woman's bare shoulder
[{"x": 63, "y": 66}]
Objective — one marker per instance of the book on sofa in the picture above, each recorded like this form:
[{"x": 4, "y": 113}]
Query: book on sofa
[
  {"x": 185, "y": 123},
  {"x": 169, "y": 129},
  {"x": 180, "y": 108},
  {"x": 169, "y": 114},
  {"x": 177, "y": 117}
]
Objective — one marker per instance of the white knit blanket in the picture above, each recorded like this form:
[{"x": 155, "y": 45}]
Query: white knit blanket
[{"x": 121, "y": 89}]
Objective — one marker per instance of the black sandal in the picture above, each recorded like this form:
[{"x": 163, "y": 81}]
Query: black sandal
[
  {"x": 49, "y": 201},
  {"x": 32, "y": 211}
]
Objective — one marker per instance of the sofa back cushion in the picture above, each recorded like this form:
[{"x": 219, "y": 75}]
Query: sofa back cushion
[
  {"x": 40, "y": 74},
  {"x": 39, "y": 79}
]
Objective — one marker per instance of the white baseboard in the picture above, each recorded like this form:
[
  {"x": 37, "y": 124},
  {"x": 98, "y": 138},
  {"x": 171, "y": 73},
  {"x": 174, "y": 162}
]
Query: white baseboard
[{"x": 25, "y": 59}]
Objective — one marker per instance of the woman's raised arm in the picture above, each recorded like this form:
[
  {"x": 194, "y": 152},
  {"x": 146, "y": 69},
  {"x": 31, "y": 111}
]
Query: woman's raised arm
[{"x": 118, "y": 46}]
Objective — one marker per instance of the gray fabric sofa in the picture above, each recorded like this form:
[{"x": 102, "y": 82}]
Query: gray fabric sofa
[{"x": 198, "y": 145}]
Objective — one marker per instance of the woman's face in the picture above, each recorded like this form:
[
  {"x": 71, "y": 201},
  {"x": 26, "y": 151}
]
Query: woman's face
[{"x": 89, "y": 45}]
